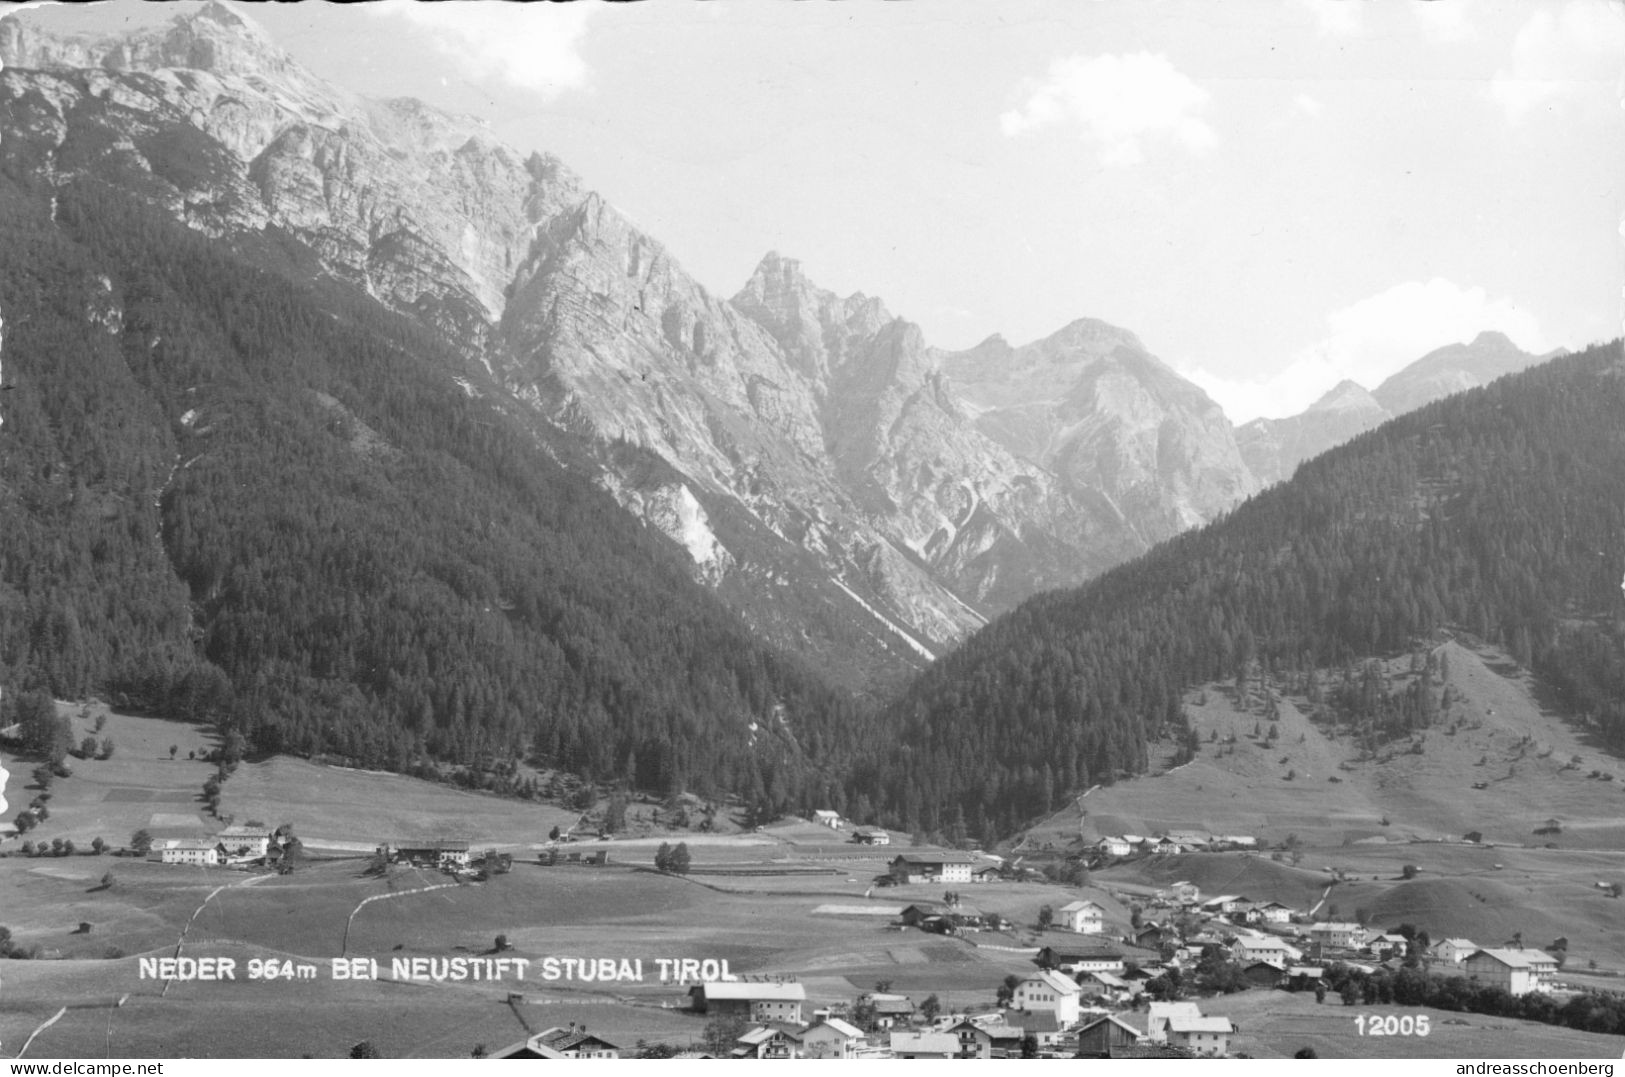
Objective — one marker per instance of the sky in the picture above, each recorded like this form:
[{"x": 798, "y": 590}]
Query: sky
[{"x": 1274, "y": 195}]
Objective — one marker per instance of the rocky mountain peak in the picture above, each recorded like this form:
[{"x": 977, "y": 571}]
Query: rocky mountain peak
[
  {"x": 214, "y": 38},
  {"x": 1346, "y": 394}
]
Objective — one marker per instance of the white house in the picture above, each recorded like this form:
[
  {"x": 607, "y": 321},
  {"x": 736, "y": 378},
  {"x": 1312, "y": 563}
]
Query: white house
[
  {"x": 924, "y": 1044},
  {"x": 1455, "y": 951},
  {"x": 1049, "y": 991},
  {"x": 934, "y": 867},
  {"x": 1084, "y": 917},
  {"x": 1266, "y": 948},
  {"x": 1205, "y": 1037},
  {"x": 1160, "y": 1013},
  {"x": 244, "y": 842},
  {"x": 1114, "y": 846},
  {"x": 832, "y": 1038},
  {"x": 204, "y": 851},
  {"x": 755, "y": 1001},
  {"x": 1273, "y": 912},
  {"x": 1337, "y": 936},
  {"x": 1518, "y": 971},
  {"x": 825, "y": 817}
]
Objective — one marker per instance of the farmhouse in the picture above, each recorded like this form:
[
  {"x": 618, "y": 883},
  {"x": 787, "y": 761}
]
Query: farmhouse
[
  {"x": 204, "y": 851},
  {"x": 1455, "y": 951},
  {"x": 569, "y": 1042},
  {"x": 1084, "y": 917},
  {"x": 1225, "y": 903},
  {"x": 1160, "y": 1013},
  {"x": 986, "y": 1039},
  {"x": 768, "y": 1041},
  {"x": 1080, "y": 959},
  {"x": 933, "y": 867},
  {"x": 1105, "y": 1036},
  {"x": 1042, "y": 1025},
  {"x": 244, "y": 842},
  {"x": 1337, "y": 936},
  {"x": 1204, "y": 1037},
  {"x": 1105, "y": 985},
  {"x": 754, "y": 1001},
  {"x": 825, "y": 817},
  {"x": 1263, "y": 974},
  {"x": 1518, "y": 971},
  {"x": 832, "y": 1038},
  {"x": 1049, "y": 991},
  {"x": 1114, "y": 846},
  {"x": 431, "y": 852},
  {"x": 1181, "y": 893},
  {"x": 1153, "y": 935},
  {"x": 1273, "y": 912},
  {"x": 871, "y": 835},
  {"x": 1251, "y": 948},
  {"x": 987, "y": 873},
  {"x": 892, "y": 1009},
  {"x": 924, "y": 1045}
]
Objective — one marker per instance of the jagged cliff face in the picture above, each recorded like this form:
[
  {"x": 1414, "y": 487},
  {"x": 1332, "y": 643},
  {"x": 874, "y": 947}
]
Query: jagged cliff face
[
  {"x": 887, "y": 496},
  {"x": 1274, "y": 448},
  {"x": 1092, "y": 405}
]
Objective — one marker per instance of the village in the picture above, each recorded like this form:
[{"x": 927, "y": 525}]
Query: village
[
  {"x": 1153, "y": 986},
  {"x": 824, "y": 936}
]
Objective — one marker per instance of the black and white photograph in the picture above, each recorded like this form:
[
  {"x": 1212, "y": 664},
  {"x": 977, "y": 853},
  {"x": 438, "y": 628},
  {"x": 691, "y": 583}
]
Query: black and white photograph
[{"x": 758, "y": 529}]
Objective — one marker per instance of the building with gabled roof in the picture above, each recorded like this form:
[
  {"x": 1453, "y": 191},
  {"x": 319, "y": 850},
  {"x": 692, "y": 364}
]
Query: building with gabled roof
[
  {"x": 768, "y": 1041},
  {"x": 1159, "y": 1014},
  {"x": 1455, "y": 951},
  {"x": 832, "y": 1037},
  {"x": 1050, "y": 991},
  {"x": 560, "y": 1042},
  {"x": 924, "y": 1044},
  {"x": 202, "y": 851},
  {"x": 1204, "y": 1037},
  {"x": 755, "y": 1001},
  {"x": 1083, "y": 917},
  {"x": 1104, "y": 1037},
  {"x": 1519, "y": 972},
  {"x": 933, "y": 867}
]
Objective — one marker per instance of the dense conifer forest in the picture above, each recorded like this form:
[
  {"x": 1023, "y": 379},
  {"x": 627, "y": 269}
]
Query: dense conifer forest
[
  {"x": 267, "y": 505},
  {"x": 1496, "y": 512},
  {"x": 243, "y": 493}
]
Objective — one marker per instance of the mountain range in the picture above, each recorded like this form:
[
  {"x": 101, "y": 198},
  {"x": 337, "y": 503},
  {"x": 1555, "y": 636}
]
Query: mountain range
[
  {"x": 313, "y": 335},
  {"x": 1273, "y": 448}
]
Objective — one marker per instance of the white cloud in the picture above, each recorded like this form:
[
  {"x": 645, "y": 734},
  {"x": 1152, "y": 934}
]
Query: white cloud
[
  {"x": 530, "y": 46},
  {"x": 1307, "y": 105},
  {"x": 1369, "y": 340},
  {"x": 1555, "y": 55},
  {"x": 1444, "y": 20},
  {"x": 1336, "y": 18},
  {"x": 1119, "y": 102}
]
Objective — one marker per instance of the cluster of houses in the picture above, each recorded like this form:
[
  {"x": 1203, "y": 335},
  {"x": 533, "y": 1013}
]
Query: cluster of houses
[
  {"x": 1047, "y": 1016},
  {"x": 233, "y": 845},
  {"x": 1168, "y": 843}
]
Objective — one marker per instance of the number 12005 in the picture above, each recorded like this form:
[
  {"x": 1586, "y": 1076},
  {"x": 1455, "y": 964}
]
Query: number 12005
[{"x": 1393, "y": 1025}]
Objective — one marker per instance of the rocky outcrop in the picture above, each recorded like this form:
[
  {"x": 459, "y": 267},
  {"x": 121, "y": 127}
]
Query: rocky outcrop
[{"x": 1110, "y": 420}]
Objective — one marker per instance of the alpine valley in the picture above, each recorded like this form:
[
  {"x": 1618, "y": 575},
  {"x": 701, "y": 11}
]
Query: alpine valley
[{"x": 341, "y": 425}]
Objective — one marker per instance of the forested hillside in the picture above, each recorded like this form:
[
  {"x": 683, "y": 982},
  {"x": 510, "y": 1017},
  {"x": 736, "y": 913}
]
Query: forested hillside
[
  {"x": 1497, "y": 512},
  {"x": 262, "y": 503}
]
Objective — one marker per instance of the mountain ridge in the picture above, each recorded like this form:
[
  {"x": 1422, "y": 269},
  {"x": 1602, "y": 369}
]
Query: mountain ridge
[{"x": 828, "y": 429}]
